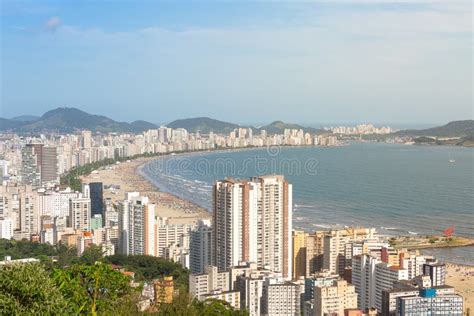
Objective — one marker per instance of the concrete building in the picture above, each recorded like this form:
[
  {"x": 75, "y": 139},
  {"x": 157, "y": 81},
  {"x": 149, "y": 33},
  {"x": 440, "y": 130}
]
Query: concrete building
[
  {"x": 6, "y": 228},
  {"x": 201, "y": 246},
  {"x": 80, "y": 213},
  {"x": 253, "y": 222},
  {"x": 299, "y": 254},
  {"x": 334, "y": 258},
  {"x": 427, "y": 302},
  {"x": 314, "y": 252},
  {"x": 164, "y": 290},
  {"x": 334, "y": 299},
  {"x": 208, "y": 282},
  {"x": 385, "y": 277},
  {"x": 168, "y": 235},
  {"x": 436, "y": 272},
  {"x": 137, "y": 225},
  {"x": 281, "y": 297},
  {"x": 370, "y": 277},
  {"x": 97, "y": 198}
]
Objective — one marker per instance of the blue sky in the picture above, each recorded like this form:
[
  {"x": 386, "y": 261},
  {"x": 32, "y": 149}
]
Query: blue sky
[{"x": 338, "y": 61}]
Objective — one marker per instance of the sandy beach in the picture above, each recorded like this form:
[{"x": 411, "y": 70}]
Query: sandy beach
[
  {"x": 124, "y": 177},
  {"x": 461, "y": 277}
]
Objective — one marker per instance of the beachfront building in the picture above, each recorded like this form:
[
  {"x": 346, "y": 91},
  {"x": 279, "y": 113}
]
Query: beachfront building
[
  {"x": 428, "y": 302},
  {"x": 253, "y": 222},
  {"x": 436, "y": 271},
  {"x": 370, "y": 277},
  {"x": 137, "y": 225}
]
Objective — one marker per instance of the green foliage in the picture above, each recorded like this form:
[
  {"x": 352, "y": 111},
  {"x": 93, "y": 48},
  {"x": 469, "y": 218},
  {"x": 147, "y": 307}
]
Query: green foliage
[
  {"x": 149, "y": 268},
  {"x": 72, "y": 178},
  {"x": 27, "y": 289},
  {"x": 93, "y": 288},
  {"x": 92, "y": 255},
  {"x": 25, "y": 249},
  {"x": 183, "y": 305}
]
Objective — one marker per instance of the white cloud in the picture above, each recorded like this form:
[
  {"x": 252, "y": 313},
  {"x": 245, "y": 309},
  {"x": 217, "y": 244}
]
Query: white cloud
[{"x": 53, "y": 24}]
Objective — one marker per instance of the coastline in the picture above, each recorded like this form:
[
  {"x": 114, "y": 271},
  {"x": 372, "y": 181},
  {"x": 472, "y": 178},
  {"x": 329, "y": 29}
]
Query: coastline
[
  {"x": 126, "y": 177},
  {"x": 130, "y": 177}
]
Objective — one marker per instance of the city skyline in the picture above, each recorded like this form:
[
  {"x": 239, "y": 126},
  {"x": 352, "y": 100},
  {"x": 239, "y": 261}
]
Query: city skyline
[{"x": 340, "y": 62}]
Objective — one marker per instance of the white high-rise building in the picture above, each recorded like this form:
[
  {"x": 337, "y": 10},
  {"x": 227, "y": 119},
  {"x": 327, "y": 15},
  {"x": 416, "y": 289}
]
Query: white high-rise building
[
  {"x": 370, "y": 277},
  {"x": 6, "y": 228},
  {"x": 201, "y": 246},
  {"x": 253, "y": 222},
  {"x": 137, "y": 225},
  {"x": 80, "y": 213}
]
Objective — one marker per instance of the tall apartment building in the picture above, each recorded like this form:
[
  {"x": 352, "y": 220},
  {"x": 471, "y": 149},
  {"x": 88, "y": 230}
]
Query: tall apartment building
[
  {"x": 281, "y": 297},
  {"x": 436, "y": 272},
  {"x": 6, "y": 228},
  {"x": 334, "y": 258},
  {"x": 208, "y": 282},
  {"x": 385, "y": 277},
  {"x": 253, "y": 222},
  {"x": 314, "y": 252},
  {"x": 201, "y": 246},
  {"x": 49, "y": 164},
  {"x": 334, "y": 299},
  {"x": 39, "y": 164},
  {"x": 96, "y": 193},
  {"x": 137, "y": 225},
  {"x": 370, "y": 277},
  {"x": 413, "y": 262},
  {"x": 30, "y": 167},
  {"x": 80, "y": 213},
  {"x": 168, "y": 235},
  {"x": 299, "y": 254}
]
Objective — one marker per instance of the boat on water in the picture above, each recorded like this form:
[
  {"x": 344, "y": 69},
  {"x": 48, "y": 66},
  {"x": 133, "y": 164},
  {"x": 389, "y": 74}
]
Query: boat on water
[{"x": 452, "y": 160}]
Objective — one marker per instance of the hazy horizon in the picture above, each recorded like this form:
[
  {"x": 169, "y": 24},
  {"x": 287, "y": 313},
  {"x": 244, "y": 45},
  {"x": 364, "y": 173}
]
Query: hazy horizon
[{"x": 386, "y": 62}]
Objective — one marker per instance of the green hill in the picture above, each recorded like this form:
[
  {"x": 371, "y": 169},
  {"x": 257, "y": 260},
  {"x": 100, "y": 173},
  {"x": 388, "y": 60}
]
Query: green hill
[
  {"x": 452, "y": 129},
  {"x": 278, "y": 127},
  {"x": 204, "y": 125},
  {"x": 70, "y": 119}
]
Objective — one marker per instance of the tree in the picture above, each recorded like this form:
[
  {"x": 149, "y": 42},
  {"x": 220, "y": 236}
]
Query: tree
[
  {"x": 92, "y": 254},
  {"x": 27, "y": 289},
  {"x": 149, "y": 268},
  {"x": 93, "y": 288}
]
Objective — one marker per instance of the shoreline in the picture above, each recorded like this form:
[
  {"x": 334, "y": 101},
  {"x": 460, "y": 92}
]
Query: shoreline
[
  {"x": 130, "y": 176},
  {"x": 138, "y": 180}
]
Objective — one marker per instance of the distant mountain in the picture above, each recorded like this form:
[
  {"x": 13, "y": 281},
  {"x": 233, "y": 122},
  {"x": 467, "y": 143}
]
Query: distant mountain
[
  {"x": 71, "y": 119},
  {"x": 6, "y": 124},
  {"x": 452, "y": 129},
  {"x": 204, "y": 124},
  {"x": 278, "y": 127},
  {"x": 25, "y": 118}
]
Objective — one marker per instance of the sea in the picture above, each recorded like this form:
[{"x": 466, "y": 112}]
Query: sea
[{"x": 398, "y": 189}]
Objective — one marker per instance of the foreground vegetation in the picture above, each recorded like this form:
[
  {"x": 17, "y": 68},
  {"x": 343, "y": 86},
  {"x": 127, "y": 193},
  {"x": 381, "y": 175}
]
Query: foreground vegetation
[{"x": 90, "y": 284}]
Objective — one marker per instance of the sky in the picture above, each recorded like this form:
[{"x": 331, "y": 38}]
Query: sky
[{"x": 384, "y": 61}]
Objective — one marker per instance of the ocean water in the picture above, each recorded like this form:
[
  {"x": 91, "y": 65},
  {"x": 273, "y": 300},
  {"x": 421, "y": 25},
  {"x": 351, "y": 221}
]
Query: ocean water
[{"x": 398, "y": 189}]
